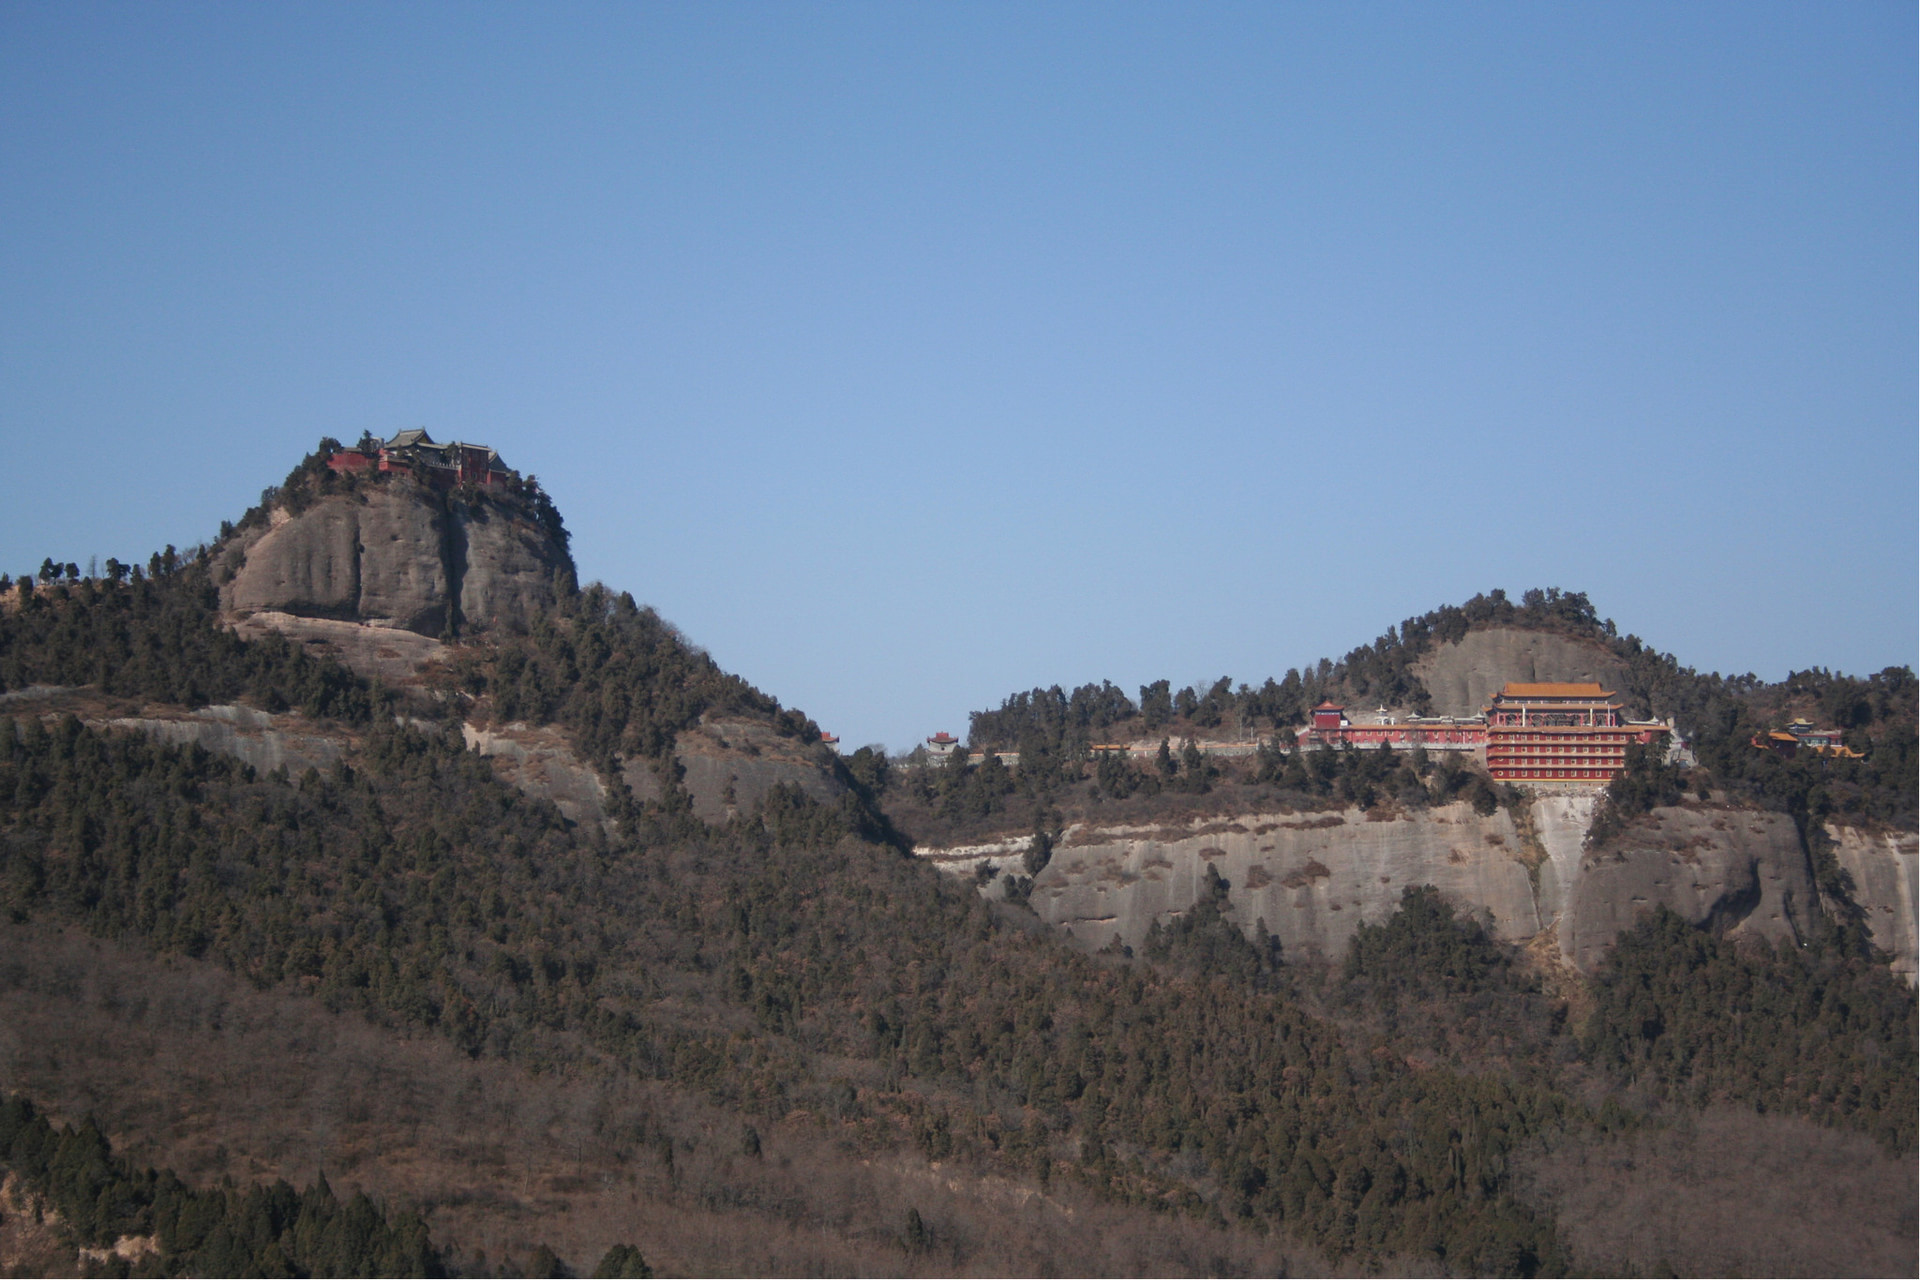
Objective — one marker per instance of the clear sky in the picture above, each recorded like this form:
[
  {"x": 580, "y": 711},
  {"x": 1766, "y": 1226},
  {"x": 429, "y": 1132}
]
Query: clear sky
[{"x": 909, "y": 355}]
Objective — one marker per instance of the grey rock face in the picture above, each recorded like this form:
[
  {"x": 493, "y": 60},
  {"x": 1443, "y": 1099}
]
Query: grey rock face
[
  {"x": 309, "y": 565},
  {"x": 1463, "y": 677},
  {"x": 404, "y": 574},
  {"x": 1742, "y": 872},
  {"x": 1886, "y": 870},
  {"x": 1313, "y": 878},
  {"x": 727, "y": 766},
  {"x": 542, "y": 763},
  {"x": 400, "y": 555},
  {"x": 507, "y": 568},
  {"x": 259, "y": 738},
  {"x": 386, "y": 653}
]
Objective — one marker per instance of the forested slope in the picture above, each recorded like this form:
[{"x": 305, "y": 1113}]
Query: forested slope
[{"x": 793, "y": 967}]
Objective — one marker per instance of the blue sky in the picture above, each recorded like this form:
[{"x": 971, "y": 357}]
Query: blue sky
[{"x": 909, "y": 355}]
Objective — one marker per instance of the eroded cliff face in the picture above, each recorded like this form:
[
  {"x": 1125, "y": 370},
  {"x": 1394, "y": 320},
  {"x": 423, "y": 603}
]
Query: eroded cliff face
[
  {"x": 383, "y": 653},
  {"x": 1464, "y": 676},
  {"x": 265, "y": 740},
  {"x": 728, "y": 764},
  {"x": 399, "y": 555},
  {"x": 1885, "y": 867},
  {"x": 1314, "y": 877},
  {"x": 1741, "y": 871}
]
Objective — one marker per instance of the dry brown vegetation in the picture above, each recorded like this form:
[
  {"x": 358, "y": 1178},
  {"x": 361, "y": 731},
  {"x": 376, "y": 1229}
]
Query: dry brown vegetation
[
  {"x": 186, "y": 1066},
  {"x": 1728, "y": 1192},
  {"x": 30, "y": 1241}
]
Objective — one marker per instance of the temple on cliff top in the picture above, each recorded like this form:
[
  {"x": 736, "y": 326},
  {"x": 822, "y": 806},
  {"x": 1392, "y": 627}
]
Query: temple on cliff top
[
  {"x": 414, "y": 453},
  {"x": 1532, "y": 732},
  {"x": 1561, "y": 733}
]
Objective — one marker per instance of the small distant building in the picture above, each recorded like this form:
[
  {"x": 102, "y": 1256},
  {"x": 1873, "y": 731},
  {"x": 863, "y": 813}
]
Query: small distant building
[
  {"x": 942, "y": 744},
  {"x": 830, "y": 739},
  {"x": 416, "y": 454},
  {"x": 1800, "y": 734},
  {"x": 1561, "y": 733}
]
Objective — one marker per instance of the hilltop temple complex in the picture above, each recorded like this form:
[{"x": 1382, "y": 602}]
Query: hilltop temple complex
[
  {"x": 1531, "y": 733},
  {"x": 414, "y": 453}
]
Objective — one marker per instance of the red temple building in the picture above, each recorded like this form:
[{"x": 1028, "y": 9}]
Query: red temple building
[
  {"x": 414, "y": 453},
  {"x": 1561, "y": 733},
  {"x": 1331, "y": 728}
]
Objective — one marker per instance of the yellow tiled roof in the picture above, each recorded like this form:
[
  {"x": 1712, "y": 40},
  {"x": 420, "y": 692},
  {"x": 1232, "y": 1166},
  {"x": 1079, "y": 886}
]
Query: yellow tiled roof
[{"x": 1516, "y": 690}]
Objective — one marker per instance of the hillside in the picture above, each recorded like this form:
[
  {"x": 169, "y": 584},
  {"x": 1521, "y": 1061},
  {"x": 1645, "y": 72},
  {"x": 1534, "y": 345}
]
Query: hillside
[{"x": 562, "y": 941}]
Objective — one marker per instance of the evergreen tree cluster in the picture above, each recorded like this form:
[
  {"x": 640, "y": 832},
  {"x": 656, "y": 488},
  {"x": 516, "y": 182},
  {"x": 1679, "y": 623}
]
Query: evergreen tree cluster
[
  {"x": 263, "y": 1230},
  {"x": 619, "y": 677},
  {"x": 1206, "y": 940},
  {"x": 1815, "y": 1030},
  {"x": 156, "y": 635},
  {"x": 1425, "y": 950}
]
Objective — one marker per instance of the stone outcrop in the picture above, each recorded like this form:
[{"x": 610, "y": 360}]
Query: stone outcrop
[
  {"x": 1738, "y": 870},
  {"x": 399, "y": 555},
  {"x": 1463, "y": 676},
  {"x": 541, "y": 762},
  {"x": 727, "y": 766},
  {"x": 262, "y": 739},
  {"x": 1885, "y": 868},
  {"x": 1314, "y": 877},
  {"x": 383, "y": 653}
]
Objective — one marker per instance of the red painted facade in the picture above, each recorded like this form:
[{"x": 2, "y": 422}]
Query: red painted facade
[
  {"x": 1533, "y": 733},
  {"x": 413, "y": 453},
  {"x": 1331, "y": 728},
  {"x": 1560, "y": 733}
]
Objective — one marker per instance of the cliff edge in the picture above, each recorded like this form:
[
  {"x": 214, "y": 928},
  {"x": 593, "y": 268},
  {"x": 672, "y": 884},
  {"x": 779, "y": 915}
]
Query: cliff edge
[{"x": 401, "y": 554}]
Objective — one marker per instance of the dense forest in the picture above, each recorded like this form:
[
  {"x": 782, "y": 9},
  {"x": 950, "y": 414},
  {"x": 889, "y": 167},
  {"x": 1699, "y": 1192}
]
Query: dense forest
[{"x": 794, "y": 962}]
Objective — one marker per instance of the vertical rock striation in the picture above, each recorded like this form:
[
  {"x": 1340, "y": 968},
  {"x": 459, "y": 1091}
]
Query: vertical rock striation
[{"x": 400, "y": 555}]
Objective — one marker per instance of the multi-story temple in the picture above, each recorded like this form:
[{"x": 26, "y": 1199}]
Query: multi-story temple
[
  {"x": 414, "y": 453},
  {"x": 1561, "y": 733},
  {"x": 1533, "y": 733}
]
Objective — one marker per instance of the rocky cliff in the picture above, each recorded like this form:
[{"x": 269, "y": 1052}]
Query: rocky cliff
[
  {"x": 1314, "y": 877},
  {"x": 1885, "y": 868},
  {"x": 1464, "y": 675},
  {"x": 727, "y": 765},
  {"x": 401, "y": 555}
]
